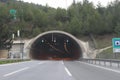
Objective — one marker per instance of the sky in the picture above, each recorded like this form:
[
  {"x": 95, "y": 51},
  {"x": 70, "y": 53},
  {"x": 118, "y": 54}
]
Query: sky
[{"x": 64, "y": 3}]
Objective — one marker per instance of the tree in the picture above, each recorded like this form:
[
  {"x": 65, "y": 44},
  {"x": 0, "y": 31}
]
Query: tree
[
  {"x": 117, "y": 29},
  {"x": 5, "y": 37},
  {"x": 6, "y": 31},
  {"x": 61, "y": 15},
  {"x": 75, "y": 26},
  {"x": 81, "y": 18}
]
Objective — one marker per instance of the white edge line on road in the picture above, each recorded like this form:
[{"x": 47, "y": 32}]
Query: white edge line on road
[
  {"x": 41, "y": 62},
  {"x": 16, "y": 71},
  {"x": 9, "y": 64},
  {"x": 102, "y": 67},
  {"x": 62, "y": 62},
  {"x": 68, "y": 72}
]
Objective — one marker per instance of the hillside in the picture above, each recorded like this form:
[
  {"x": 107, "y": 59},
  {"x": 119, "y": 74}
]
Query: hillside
[
  {"x": 105, "y": 41},
  {"x": 102, "y": 41},
  {"x": 80, "y": 19}
]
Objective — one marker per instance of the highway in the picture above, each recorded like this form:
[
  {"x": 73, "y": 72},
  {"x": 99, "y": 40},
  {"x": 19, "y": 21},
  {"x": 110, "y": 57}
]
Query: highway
[{"x": 56, "y": 70}]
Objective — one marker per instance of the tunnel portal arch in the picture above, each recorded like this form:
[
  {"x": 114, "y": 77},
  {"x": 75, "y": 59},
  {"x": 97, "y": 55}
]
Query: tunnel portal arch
[{"x": 55, "y": 45}]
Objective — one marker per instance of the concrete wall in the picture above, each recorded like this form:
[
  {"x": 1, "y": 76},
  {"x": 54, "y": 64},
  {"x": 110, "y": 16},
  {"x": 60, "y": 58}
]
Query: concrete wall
[
  {"x": 3, "y": 54},
  {"x": 84, "y": 45},
  {"x": 86, "y": 49}
]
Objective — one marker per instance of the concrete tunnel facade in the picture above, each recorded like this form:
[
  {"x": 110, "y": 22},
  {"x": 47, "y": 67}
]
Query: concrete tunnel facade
[{"x": 55, "y": 45}]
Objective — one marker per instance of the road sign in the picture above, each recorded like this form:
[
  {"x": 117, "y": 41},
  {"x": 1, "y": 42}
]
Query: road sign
[
  {"x": 116, "y": 44},
  {"x": 116, "y": 50},
  {"x": 12, "y": 11}
]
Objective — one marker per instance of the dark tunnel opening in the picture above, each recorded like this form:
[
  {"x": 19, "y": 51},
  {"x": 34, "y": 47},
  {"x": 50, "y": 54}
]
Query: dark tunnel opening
[{"x": 55, "y": 46}]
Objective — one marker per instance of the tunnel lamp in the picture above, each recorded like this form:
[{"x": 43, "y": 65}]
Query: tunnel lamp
[
  {"x": 54, "y": 40},
  {"x": 67, "y": 41},
  {"x": 42, "y": 41},
  {"x": 52, "y": 37},
  {"x": 18, "y": 33},
  {"x": 13, "y": 36}
]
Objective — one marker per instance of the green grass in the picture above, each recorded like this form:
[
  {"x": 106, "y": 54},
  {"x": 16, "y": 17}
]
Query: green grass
[
  {"x": 12, "y": 61},
  {"x": 108, "y": 54},
  {"x": 102, "y": 42},
  {"x": 105, "y": 41}
]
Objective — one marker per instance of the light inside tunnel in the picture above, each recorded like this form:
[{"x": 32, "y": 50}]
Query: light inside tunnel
[{"x": 55, "y": 46}]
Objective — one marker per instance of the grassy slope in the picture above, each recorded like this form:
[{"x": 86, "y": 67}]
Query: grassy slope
[
  {"x": 12, "y": 61},
  {"x": 102, "y": 42}
]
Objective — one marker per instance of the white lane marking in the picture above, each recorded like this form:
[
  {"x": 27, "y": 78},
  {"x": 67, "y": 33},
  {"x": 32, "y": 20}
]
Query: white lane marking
[
  {"x": 62, "y": 62},
  {"x": 16, "y": 71},
  {"x": 102, "y": 67},
  {"x": 68, "y": 72},
  {"x": 41, "y": 62}
]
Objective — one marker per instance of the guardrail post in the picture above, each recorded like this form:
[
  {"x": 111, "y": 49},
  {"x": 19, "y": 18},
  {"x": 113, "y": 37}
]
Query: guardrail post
[
  {"x": 110, "y": 63},
  {"x": 99, "y": 62},
  {"x": 88, "y": 61},
  {"x": 118, "y": 64},
  {"x": 104, "y": 63},
  {"x": 95, "y": 61}
]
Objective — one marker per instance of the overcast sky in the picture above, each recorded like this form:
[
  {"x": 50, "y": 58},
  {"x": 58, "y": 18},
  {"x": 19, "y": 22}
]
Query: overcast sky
[{"x": 64, "y": 3}]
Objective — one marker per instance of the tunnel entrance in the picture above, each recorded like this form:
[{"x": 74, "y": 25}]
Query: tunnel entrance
[{"x": 55, "y": 46}]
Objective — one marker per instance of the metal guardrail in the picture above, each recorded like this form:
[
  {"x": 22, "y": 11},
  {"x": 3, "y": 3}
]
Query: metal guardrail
[{"x": 104, "y": 62}]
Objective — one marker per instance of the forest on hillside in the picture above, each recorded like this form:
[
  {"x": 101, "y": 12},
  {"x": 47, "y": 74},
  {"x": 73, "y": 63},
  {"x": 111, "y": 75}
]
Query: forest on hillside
[{"x": 82, "y": 18}]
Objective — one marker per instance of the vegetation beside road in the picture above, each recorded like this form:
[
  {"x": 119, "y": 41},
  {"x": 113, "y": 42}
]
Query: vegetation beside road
[
  {"x": 105, "y": 41},
  {"x": 102, "y": 42},
  {"x": 12, "y": 61},
  {"x": 79, "y": 19}
]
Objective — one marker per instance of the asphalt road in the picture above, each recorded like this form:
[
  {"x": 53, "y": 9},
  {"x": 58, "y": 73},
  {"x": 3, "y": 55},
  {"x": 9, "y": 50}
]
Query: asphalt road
[{"x": 56, "y": 70}]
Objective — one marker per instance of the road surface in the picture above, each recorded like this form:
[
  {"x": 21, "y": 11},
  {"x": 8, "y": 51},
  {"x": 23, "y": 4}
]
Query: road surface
[{"x": 56, "y": 70}]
